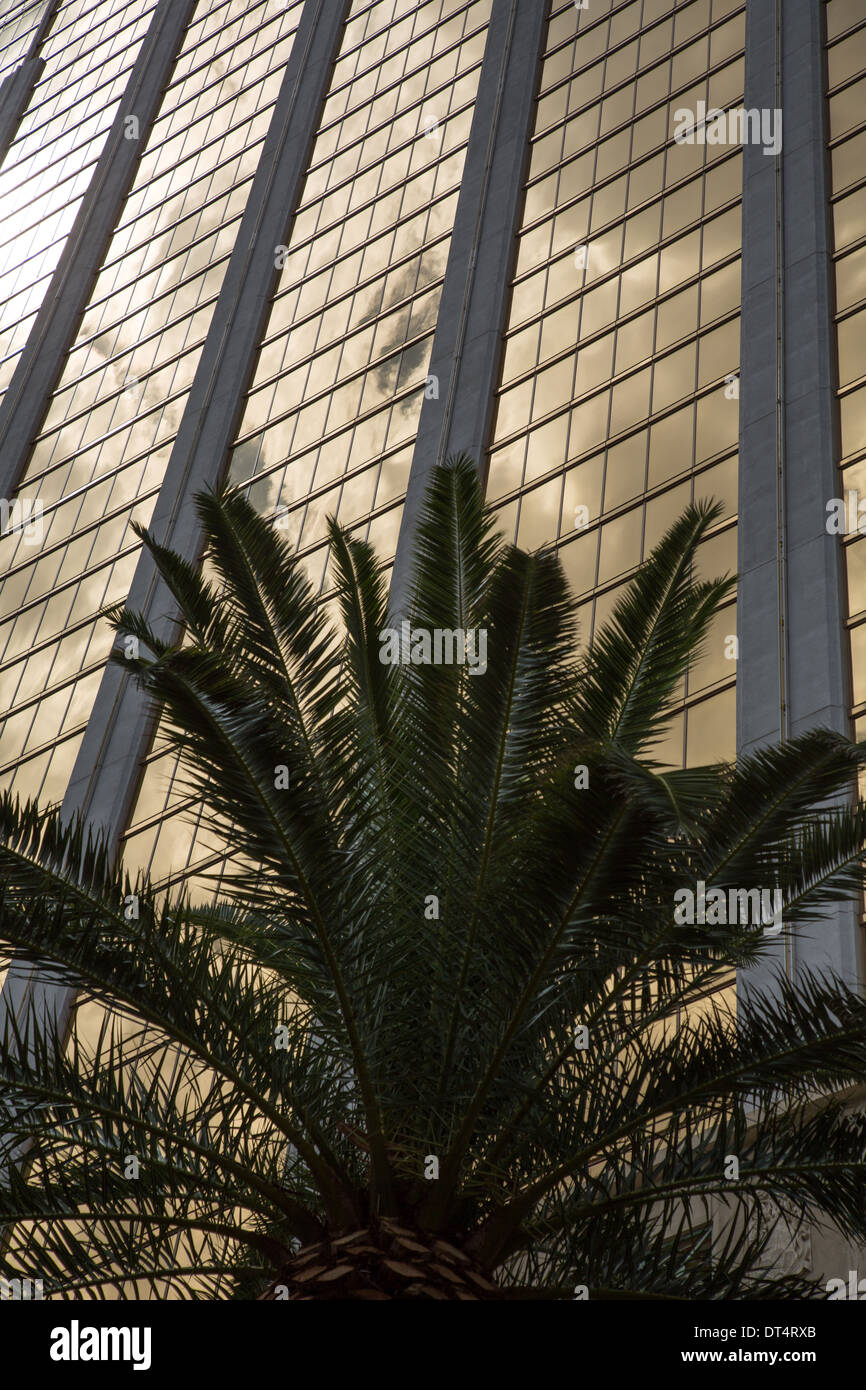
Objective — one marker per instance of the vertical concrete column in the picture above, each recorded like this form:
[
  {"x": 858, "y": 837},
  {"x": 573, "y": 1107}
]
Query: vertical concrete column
[
  {"x": 17, "y": 87},
  {"x": 467, "y": 344},
  {"x": 793, "y": 667},
  {"x": 55, "y": 326},
  {"x": 16, "y": 90},
  {"x": 105, "y": 777}
]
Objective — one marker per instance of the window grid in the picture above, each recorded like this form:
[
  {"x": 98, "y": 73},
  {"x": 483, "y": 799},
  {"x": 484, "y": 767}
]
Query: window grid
[
  {"x": 99, "y": 461},
  {"x": 32, "y": 233},
  {"x": 18, "y": 31},
  {"x": 617, "y": 404},
  {"x": 846, "y": 90},
  {"x": 156, "y": 147},
  {"x": 355, "y": 307}
]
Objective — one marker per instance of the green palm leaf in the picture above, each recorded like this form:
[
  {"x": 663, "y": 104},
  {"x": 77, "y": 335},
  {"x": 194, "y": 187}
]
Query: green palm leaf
[{"x": 443, "y": 1015}]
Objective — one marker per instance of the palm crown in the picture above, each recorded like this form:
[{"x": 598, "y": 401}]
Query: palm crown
[{"x": 443, "y": 1034}]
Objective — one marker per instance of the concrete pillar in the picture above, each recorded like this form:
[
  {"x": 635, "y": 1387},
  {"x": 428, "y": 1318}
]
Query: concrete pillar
[
  {"x": 793, "y": 670},
  {"x": 467, "y": 344}
]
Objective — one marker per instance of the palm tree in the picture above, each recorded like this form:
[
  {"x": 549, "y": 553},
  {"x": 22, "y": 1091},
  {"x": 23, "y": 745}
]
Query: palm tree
[{"x": 443, "y": 1034}]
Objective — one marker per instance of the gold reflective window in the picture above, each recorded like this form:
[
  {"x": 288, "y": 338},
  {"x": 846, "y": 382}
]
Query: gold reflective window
[
  {"x": 719, "y": 352},
  {"x": 852, "y": 348},
  {"x": 578, "y": 560},
  {"x": 634, "y": 341},
  {"x": 858, "y": 663},
  {"x": 521, "y": 353},
  {"x": 546, "y": 448},
  {"x": 639, "y": 284},
  {"x": 581, "y": 498},
  {"x": 589, "y": 424},
  {"x": 598, "y": 308},
  {"x": 630, "y": 401},
  {"x": 621, "y": 65},
  {"x": 645, "y": 180},
  {"x": 671, "y": 445},
  {"x": 553, "y": 388},
  {"x": 594, "y": 364},
  {"x": 853, "y": 422},
  {"x": 682, "y": 207},
  {"x": 711, "y": 730},
  {"x": 506, "y": 469},
  {"x": 851, "y": 278},
  {"x": 841, "y": 15},
  {"x": 721, "y": 237},
  {"x": 539, "y": 515},
  {"x": 720, "y": 292},
  {"x": 847, "y": 59},
  {"x": 620, "y": 544},
  {"x": 641, "y": 232},
  {"x": 849, "y": 218},
  {"x": 608, "y": 203},
  {"x": 559, "y": 331},
  {"x": 625, "y": 474},
  {"x": 847, "y": 108},
  {"x": 855, "y": 565},
  {"x": 676, "y": 317},
  {"x": 673, "y": 377},
  {"x": 718, "y": 421},
  {"x": 662, "y": 512},
  {"x": 719, "y": 483},
  {"x": 680, "y": 261},
  {"x": 652, "y": 87}
]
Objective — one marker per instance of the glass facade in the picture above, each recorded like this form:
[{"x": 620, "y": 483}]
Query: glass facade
[
  {"x": 19, "y": 25},
  {"x": 99, "y": 459},
  {"x": 330, "y": 417},
  {"x": 617, "y": 401},
  {"x": 846, "y": 92},
  {"x": 89, "y": 53},
  {"x": 619, "y": 397}
]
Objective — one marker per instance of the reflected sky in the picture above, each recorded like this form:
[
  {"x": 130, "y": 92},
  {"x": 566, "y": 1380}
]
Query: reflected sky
[
  {"x": 99, "y": 460},
  {"x": 329, "y": 421},
  {"x": 615, "y": 409}
]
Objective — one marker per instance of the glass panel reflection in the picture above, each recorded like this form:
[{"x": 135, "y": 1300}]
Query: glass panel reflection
[
  {"x": 99, "y": 459},
  {"x": 846, "y": 71},
  {"x": 625, "y": 304},
  {"x": 329, "y": 421}
]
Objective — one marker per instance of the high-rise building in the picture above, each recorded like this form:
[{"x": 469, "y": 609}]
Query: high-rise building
[{"x": 614, "y": 249}]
